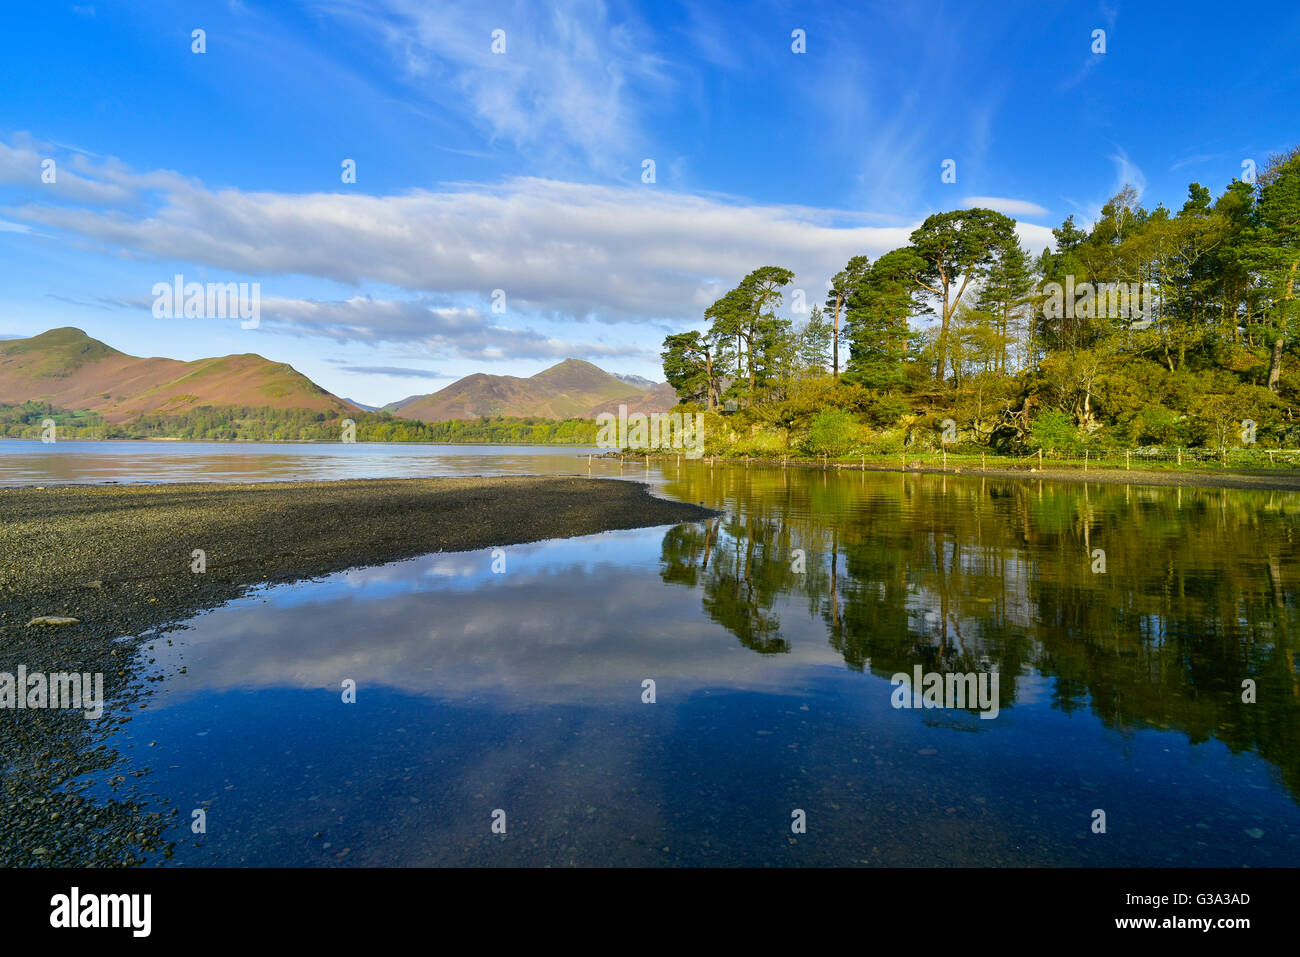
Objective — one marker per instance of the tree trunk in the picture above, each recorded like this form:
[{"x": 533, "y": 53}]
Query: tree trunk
[
  {"x": 835, "y": 341},
  {"x": 835, "y": 348},
  {"x": 1275, "y": 368},
  {"x": 708, "y": 381},
  {"x": 941, "y": 345}
]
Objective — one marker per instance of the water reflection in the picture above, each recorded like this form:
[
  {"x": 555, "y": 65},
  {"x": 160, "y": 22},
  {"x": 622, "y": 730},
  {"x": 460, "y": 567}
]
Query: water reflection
[
  {"x": 1149, "y": 607},
  {"x": 770, "y": 634}
]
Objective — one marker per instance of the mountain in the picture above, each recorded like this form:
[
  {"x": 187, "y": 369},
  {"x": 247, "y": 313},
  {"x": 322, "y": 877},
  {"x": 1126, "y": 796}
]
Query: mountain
[
  {"x": 362, "y": 405},
  {"x": 571, "y": 389},
  {"x": 641, "y": 382},
  {"x": 394, "y": 406},
  {"x": 70, "y": 370},
  {"x": 659, "y": 398}
]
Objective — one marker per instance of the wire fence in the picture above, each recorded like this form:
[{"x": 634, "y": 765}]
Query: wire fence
[
  {"x": 965, "y": 457},
  {"x": 1240, "y": 457}
]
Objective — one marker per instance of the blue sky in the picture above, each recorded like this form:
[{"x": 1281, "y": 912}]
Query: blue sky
[{"x": 522, "y": 171}]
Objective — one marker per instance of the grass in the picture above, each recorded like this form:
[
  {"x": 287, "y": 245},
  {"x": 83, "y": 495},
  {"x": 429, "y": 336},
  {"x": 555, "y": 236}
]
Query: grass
[{"x": 1192, "y": 460}]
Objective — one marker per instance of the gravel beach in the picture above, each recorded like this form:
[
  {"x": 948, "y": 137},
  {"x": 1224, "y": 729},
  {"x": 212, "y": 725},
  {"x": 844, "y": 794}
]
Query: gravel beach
[{"x": 119, "y": 560}]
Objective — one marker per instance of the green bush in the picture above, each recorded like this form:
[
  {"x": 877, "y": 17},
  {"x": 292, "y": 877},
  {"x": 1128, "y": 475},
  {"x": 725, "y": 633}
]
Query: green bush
[
  {"x": 834, "y": 432},
  {"x": 1053, "y": 429}
]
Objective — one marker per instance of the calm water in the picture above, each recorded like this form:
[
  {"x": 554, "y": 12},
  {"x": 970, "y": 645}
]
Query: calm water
[
  {"x": 31, "y": 462},
  {"x": 771, "y": 635}
]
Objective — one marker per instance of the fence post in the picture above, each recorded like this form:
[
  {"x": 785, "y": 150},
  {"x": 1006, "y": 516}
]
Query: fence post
[
  {"x": 945, "y": 460},
  {"x": 1085, "y": 460},
  {"x": 1040, "y": 460},
  {"x": 1180, "y": 455},
  {"x": 982, "y": 460},
  {"x": 1126, "y": 462}
]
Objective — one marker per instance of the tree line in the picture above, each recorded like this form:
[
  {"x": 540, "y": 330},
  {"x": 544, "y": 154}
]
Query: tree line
[
  {"x": 267, "y": 424},
  {"x": 1150, "y": 326}
]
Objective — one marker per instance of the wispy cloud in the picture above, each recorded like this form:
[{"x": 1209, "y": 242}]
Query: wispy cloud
[
  {"x": 570, "y": 77},
  {"x": 1012, "y": 207},
  {"x": 108, "y": 305},
  {"x": 1198, "y": 159},
  {"x": 399, "y": 372},
  {"x": 1127, "y": 172},
  {"x": 1110, "y": 15}
]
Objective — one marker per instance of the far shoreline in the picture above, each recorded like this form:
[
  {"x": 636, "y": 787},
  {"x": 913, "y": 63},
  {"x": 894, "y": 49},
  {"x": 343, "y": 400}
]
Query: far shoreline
[
  {"x": 1279, "y": 480},
  {"x": 170, "y": 438}
]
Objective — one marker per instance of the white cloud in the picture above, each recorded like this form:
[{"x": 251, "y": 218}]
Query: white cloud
[
  {"x": 1012, "y": 207},
  {"x": 21, "y": 163},
  {"x": 558, "y": 250}
]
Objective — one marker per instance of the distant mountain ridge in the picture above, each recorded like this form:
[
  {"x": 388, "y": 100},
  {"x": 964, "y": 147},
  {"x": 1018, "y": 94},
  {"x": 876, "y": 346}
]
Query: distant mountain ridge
[
  {"x": 570, "y": 389},
  {"x": 68, "y": 369},
  {"x": 641, "y": 382}
]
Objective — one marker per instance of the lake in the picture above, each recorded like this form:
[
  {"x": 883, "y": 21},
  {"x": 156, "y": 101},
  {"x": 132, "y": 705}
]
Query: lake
[{"x": 1124, "y": 625}]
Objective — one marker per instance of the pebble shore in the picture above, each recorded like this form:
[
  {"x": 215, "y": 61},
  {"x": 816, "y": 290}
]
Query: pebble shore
[{"x": 120, "y": 561}]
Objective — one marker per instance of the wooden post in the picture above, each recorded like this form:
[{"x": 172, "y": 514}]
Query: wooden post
[
  {"x": 1040, "y": 460},
  {"x": 864, "y": 463},
  {"x": 1180, "y": 455},
  {"x": 1270, "y": 456},
  {"x": 823, "y": 461},
  {"x": 1085, "y": 460},
  {"x": 982, "y": 469},
  {"x": 1127, "y": 465},
  {"x": 945, "y": 460}
]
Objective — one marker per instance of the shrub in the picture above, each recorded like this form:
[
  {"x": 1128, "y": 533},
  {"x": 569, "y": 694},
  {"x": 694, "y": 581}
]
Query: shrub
[
  {"x": 833, "y": 432},
  {"x": 1053, "y": 429}
]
